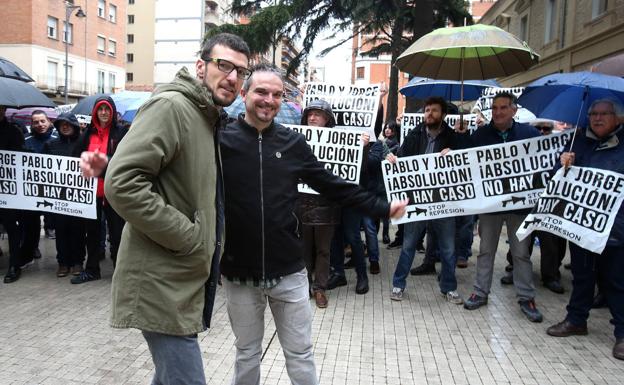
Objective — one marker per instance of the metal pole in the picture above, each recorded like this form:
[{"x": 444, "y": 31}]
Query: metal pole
[{"x": 68, "y": 10}]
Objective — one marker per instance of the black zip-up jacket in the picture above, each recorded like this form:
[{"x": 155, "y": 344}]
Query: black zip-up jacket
[
  {"x": 415, "y": 142},
  {"x": 63, "y": 145},
  {"x": 260, "y": 173}
]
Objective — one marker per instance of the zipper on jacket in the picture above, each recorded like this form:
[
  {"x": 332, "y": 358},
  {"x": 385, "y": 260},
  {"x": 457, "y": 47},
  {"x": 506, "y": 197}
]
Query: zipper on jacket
[{"x": 261, "y": 206}]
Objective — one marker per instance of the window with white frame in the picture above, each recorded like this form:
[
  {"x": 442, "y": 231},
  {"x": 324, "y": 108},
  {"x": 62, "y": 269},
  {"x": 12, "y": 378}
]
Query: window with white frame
[
  {"x": 52, "y": 27},
  {"x": 550, "y": 21},
  {"x": 112, "y": 47},
  {"x": 598, "y": 8},
  {"x": 111, "y": 81},
  {"x": 68, "y": 33},
  {"x": 52, "y": 75},
  {"x": 112, "y": 13},
  {"x": 101, "y": 44},
  {"x": 101, "y": 75},
  {"x": 101, "y": 8}
]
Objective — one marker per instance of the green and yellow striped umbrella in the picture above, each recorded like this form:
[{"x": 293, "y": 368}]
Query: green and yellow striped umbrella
[{"x": 474, "y": 52}]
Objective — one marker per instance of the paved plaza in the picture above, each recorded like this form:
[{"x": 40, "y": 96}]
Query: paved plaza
[{"x": 53, "y": 332}]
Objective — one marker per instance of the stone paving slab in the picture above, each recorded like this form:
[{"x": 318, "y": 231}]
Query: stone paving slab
[{"x": 56, "y": 333}]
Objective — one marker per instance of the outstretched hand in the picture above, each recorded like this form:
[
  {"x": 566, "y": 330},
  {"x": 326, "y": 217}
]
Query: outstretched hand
[
  {"x": 92, "y": 164},
  {"x": 398, "y": 208}
]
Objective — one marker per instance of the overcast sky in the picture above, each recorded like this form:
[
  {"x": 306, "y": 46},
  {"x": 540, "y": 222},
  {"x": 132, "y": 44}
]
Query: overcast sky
[{"x": 337, "y": 63}]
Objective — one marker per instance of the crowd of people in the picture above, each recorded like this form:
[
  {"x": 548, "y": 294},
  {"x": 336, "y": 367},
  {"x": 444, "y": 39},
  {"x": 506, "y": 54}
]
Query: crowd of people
[
  {"x": 186, "y": 175},
  {"x": 76, "y": 238}
]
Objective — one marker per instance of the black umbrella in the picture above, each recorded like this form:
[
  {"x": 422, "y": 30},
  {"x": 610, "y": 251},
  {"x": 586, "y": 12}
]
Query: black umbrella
[
  {"x": 85, "y": 105},
  {"x": 9, "y": 70},
  {"x": 16, "y": 94}
]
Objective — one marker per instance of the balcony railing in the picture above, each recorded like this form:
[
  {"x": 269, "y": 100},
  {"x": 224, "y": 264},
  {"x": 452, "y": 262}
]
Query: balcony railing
[{"x": 57, "y": 86}]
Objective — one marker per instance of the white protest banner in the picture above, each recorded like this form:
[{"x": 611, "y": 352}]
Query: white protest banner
[
  {"x": 339, "y": 150},
  {"x": 47, "y": 183},
  {"x": 484, "y": 104},
  {"x": 410, "y": 121},
  {"x": 579, "y": 204},
  {"x": 354, "y": 106},
  {"x": 485, "y": 179}
]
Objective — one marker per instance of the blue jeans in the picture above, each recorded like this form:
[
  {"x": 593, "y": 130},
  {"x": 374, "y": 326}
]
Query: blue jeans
[
  {"x": 177, "y": 359},
  {"x": 585, "y": 266},
  {"x": 370, "y": 229},
  {"x": 463, "y": 236},
  {"x": 444, "y": 230}
]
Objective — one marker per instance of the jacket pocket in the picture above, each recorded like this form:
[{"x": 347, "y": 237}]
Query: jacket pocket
[{"x": 196, "y": 242}]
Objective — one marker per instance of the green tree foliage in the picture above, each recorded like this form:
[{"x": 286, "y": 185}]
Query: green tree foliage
[{"x": 390, "y": 26}]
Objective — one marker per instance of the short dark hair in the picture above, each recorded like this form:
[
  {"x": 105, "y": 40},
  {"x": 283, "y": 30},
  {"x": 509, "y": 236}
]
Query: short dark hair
[
  {"x": 437, "y": 100},
  {"x": 507, "y": 95},
  {"x": 38, "y": 112},
  {"x": 228, "y": 40},
  {"x": 262, "y": 67}
]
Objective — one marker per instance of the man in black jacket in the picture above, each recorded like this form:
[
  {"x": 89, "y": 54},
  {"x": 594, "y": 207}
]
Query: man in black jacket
[
  {"x": 262, "y": 164},
  {"x": 432, "y": 136},
  {"x": 11, "y": 139}
]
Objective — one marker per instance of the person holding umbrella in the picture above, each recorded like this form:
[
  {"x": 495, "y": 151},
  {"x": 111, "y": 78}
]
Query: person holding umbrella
[
  {"x": 502, "y": 129},
  {"x": 11, "y": 139},
  {"x": 599, "y": 146}
]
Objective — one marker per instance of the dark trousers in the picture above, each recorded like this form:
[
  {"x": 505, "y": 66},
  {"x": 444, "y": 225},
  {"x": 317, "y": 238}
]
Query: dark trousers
[
  {"x": 316, "y": 244},
  {"x": 94, "y": 235},
  {"x": 553, "y": 250},
  {"x": 31, "y": 233},
  {"x": 585, "y": 266},
  {"x": 9, "y": 219},
  {"x": 348, "y": 231},
  {"x": 70, "y": 240}
]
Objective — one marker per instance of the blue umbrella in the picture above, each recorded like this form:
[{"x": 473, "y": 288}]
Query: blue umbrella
[
  {"x": 422, "y": 88},
  {"x": 129, "y": 102},
  {"x": 287, "y": 114},
  {"x": 566, "y": 97}
]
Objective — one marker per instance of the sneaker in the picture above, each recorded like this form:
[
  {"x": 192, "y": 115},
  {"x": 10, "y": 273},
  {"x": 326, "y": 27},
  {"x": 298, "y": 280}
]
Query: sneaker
[
  {"x": 453, "y": 297},
  {"x": 76, "y": 270},
  {"x": 62, "y": 271},
  {"x": 475, "y": 301},
  {"x": 530, "y": 310},
  {"x": 396, "y": 244},
  {"x": 385, "y": 239},
  {"x": 397, "y": 294},
  {"x": 50, "y": 233},
  {"x": 320, "y": 298},
  {"x": 85, "y": 277},
  {"x": 374, "y": 267}
]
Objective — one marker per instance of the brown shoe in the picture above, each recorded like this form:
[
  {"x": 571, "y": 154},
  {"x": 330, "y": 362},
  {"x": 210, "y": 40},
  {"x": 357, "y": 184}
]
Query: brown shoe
[
  {"x": 618, "y": 349},
  {"x": 462, "y": 263},
  {"x": 566, "y": 329},
  {"x": 76, "y": 270},
  {"x": 62, "y": 271},
  {"x": 320, "y": 298}
]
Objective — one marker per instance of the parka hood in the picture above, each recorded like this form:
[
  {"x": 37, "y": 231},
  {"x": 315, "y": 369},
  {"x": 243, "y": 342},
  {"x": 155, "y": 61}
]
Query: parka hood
[{"x": 190, "y": 87}]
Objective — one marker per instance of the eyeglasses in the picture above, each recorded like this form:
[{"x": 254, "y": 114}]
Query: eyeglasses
[
  {"x": 601, "y": 114},
  {"x": 544, "y": 128},
  {"x": 227, "y": 67}
]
